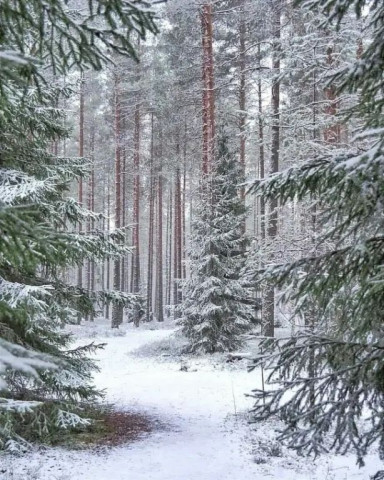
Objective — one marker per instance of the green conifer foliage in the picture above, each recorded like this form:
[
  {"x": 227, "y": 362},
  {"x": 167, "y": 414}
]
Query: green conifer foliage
[
  {"x": 328, "y": 383},
  {"x": 44, "y": 379},
  {"x": 217, "y": 309}
]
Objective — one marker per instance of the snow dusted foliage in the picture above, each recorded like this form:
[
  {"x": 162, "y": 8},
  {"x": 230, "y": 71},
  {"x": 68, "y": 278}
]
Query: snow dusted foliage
[
  {"x": 217, "y": 309},
  {"x": 328, "y": 383},
  {"x": 44, "y": 379}
]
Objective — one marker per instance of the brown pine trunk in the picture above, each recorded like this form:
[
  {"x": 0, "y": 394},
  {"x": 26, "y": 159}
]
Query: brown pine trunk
[
  {"x": 184, "y": 249},
  {"x": 108, "y": 266},
  {"x": 117, "y": 309},
  {"x": 168, "y": 260},
  {"x": 208, "y": 89},
  {"x": 149, "y": 312},
  {"x": 123, "y": 286},
  {"x": 261, "y": 145},
  {"x": 81, "y": 154},
  {"x": 136, "y": 210},
  {"x": 175, "y": 242},
  {"x": 91, "y": 207},
  {"x": 269, "y": 293},
  {"x": 159, "y": 247},
  {"x": 242, "y": 92}
]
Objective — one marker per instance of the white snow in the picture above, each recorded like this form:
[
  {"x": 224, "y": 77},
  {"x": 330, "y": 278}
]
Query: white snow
[{"x": 204, "y": 409}]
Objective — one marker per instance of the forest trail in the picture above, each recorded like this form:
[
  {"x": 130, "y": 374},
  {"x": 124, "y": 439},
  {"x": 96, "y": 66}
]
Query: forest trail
[
  {"x": 202, "y": 438},
  {"x": 203, "y": 435}
]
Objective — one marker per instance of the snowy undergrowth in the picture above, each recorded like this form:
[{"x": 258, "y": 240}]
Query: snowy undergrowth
[{"x": 200, "y": 399}]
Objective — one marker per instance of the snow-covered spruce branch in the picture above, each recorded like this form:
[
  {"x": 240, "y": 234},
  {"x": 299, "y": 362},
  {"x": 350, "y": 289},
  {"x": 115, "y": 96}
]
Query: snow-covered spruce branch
[
  {"x": 16, "y": 186},
  {"x": 325, "y": 410},
  {"x": 19, "y": 359},
  {"x": 15, "y": 294}
]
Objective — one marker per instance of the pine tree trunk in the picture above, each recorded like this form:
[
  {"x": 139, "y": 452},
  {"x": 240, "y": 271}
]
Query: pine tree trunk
[
  {"x": 208, "y": 89},
  {"x": 136, "y": 211},
  {"x": 269, "y": 293},
  {"x": 159, "y": 246},
  {"x": 108, "y": 266},
  {"x": 123, "y": 285},
  {"x": 149, "y": 312},
  {"x": 177, "y": 266},
  {"x": 117, "y": 309},
  {"x": 184, "y": 246},
  {"x": 261, "y": 145},
  {"x": 81, "y": 154},
  {"x": 91, "y": 207},
  {"x": 168, "y": 260},
  {"x": 242, "y": 92}
]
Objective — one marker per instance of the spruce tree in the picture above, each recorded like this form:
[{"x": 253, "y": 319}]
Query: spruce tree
[
  {"x": 328, "y": 381},
  {"x": 217, "y": 309},
  {"x": 44, "y": 380}
]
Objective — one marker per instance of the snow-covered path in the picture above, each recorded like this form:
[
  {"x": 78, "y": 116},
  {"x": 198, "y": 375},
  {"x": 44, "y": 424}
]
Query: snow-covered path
[
  {"x": 207, "y": 437},
  {"x": 201, "y": 442}
]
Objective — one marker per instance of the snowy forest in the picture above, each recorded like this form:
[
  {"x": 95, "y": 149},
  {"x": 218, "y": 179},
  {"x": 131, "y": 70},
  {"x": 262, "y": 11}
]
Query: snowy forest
[{"x": 191, "y": 239}]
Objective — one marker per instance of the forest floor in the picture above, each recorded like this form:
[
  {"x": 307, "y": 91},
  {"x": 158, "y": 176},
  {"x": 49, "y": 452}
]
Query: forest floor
[{"x": 198, "y": 412}]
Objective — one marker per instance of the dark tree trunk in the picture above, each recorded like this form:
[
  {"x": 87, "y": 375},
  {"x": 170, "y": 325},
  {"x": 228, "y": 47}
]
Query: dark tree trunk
[
  {"x": 261, "y": 146},
  {"x": 81, "y": 154},
  {"x": 242, "y": 91},
  {"x": 117, "y": 310},
  {"x": 149, "y": 310},
  {"x": 136, "y": 211},
  {"x": 269, "y": 294},
  {"x": 208, "y": 89},
  {"x": 159, "y": 246},
  {"x": 168, "y": 260},
  {"x": 91, "y": 207}
]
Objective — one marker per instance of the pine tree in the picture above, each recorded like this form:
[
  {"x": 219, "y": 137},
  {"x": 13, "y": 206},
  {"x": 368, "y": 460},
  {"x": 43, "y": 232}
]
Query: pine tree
[
  {"x": 43, "y": 379},
  {"x": 216, "y": 310},
  {"x": 343, "y": 283}
]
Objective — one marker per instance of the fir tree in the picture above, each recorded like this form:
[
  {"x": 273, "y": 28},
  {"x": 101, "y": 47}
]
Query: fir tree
[
  {"x": 217, "y": 309},
  {"x": 342, "y": 283},
  {"x": 44, "y": 380}
]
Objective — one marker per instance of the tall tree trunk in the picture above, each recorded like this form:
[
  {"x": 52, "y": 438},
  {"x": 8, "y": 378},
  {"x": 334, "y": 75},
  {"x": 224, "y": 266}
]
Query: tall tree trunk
[
  {"x": 108, "y": 275},
  {"x": 123, "y": 286},
  {"x": 136, "y": 210},
  {"x": 269, "y": 294},
  {"x": 177, "y": 265},
  {"x": 159, "y": 246},
  {"x": 168, "y": 260},
  {"x": 91, "y": 207},
  {"x": 117, "y": 310},
  {"x": 184, "y": 246},
  {"x": 81, "y": 154},
  {"x": 242, "y": 91},
  {"x": 149, "y": 312},
  {"x": 261, "y": 143},
  {"x": 208, "y": 89}
]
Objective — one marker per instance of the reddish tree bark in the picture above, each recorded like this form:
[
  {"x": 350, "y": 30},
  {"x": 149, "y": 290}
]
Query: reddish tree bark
[
  {"x": 149, "y": 312},
  {"x": 91, "y": 207},
  {"x": 159, "y": 247},
  {"x": 242, "y": 91},
  {"x": 135, "y": 276},
  {"x": 168, "y": 260},
  {"x": 208, "y": 89},
  {"x": 118, "y": 310},
  {"x": 261, "y": 145},
  {"x": 80, "y": 192},
  {"x": 177, "y": 251}
]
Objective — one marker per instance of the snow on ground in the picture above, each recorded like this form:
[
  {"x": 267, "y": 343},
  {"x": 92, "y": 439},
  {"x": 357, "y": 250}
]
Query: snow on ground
[{"x": 202, "y": 402}]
